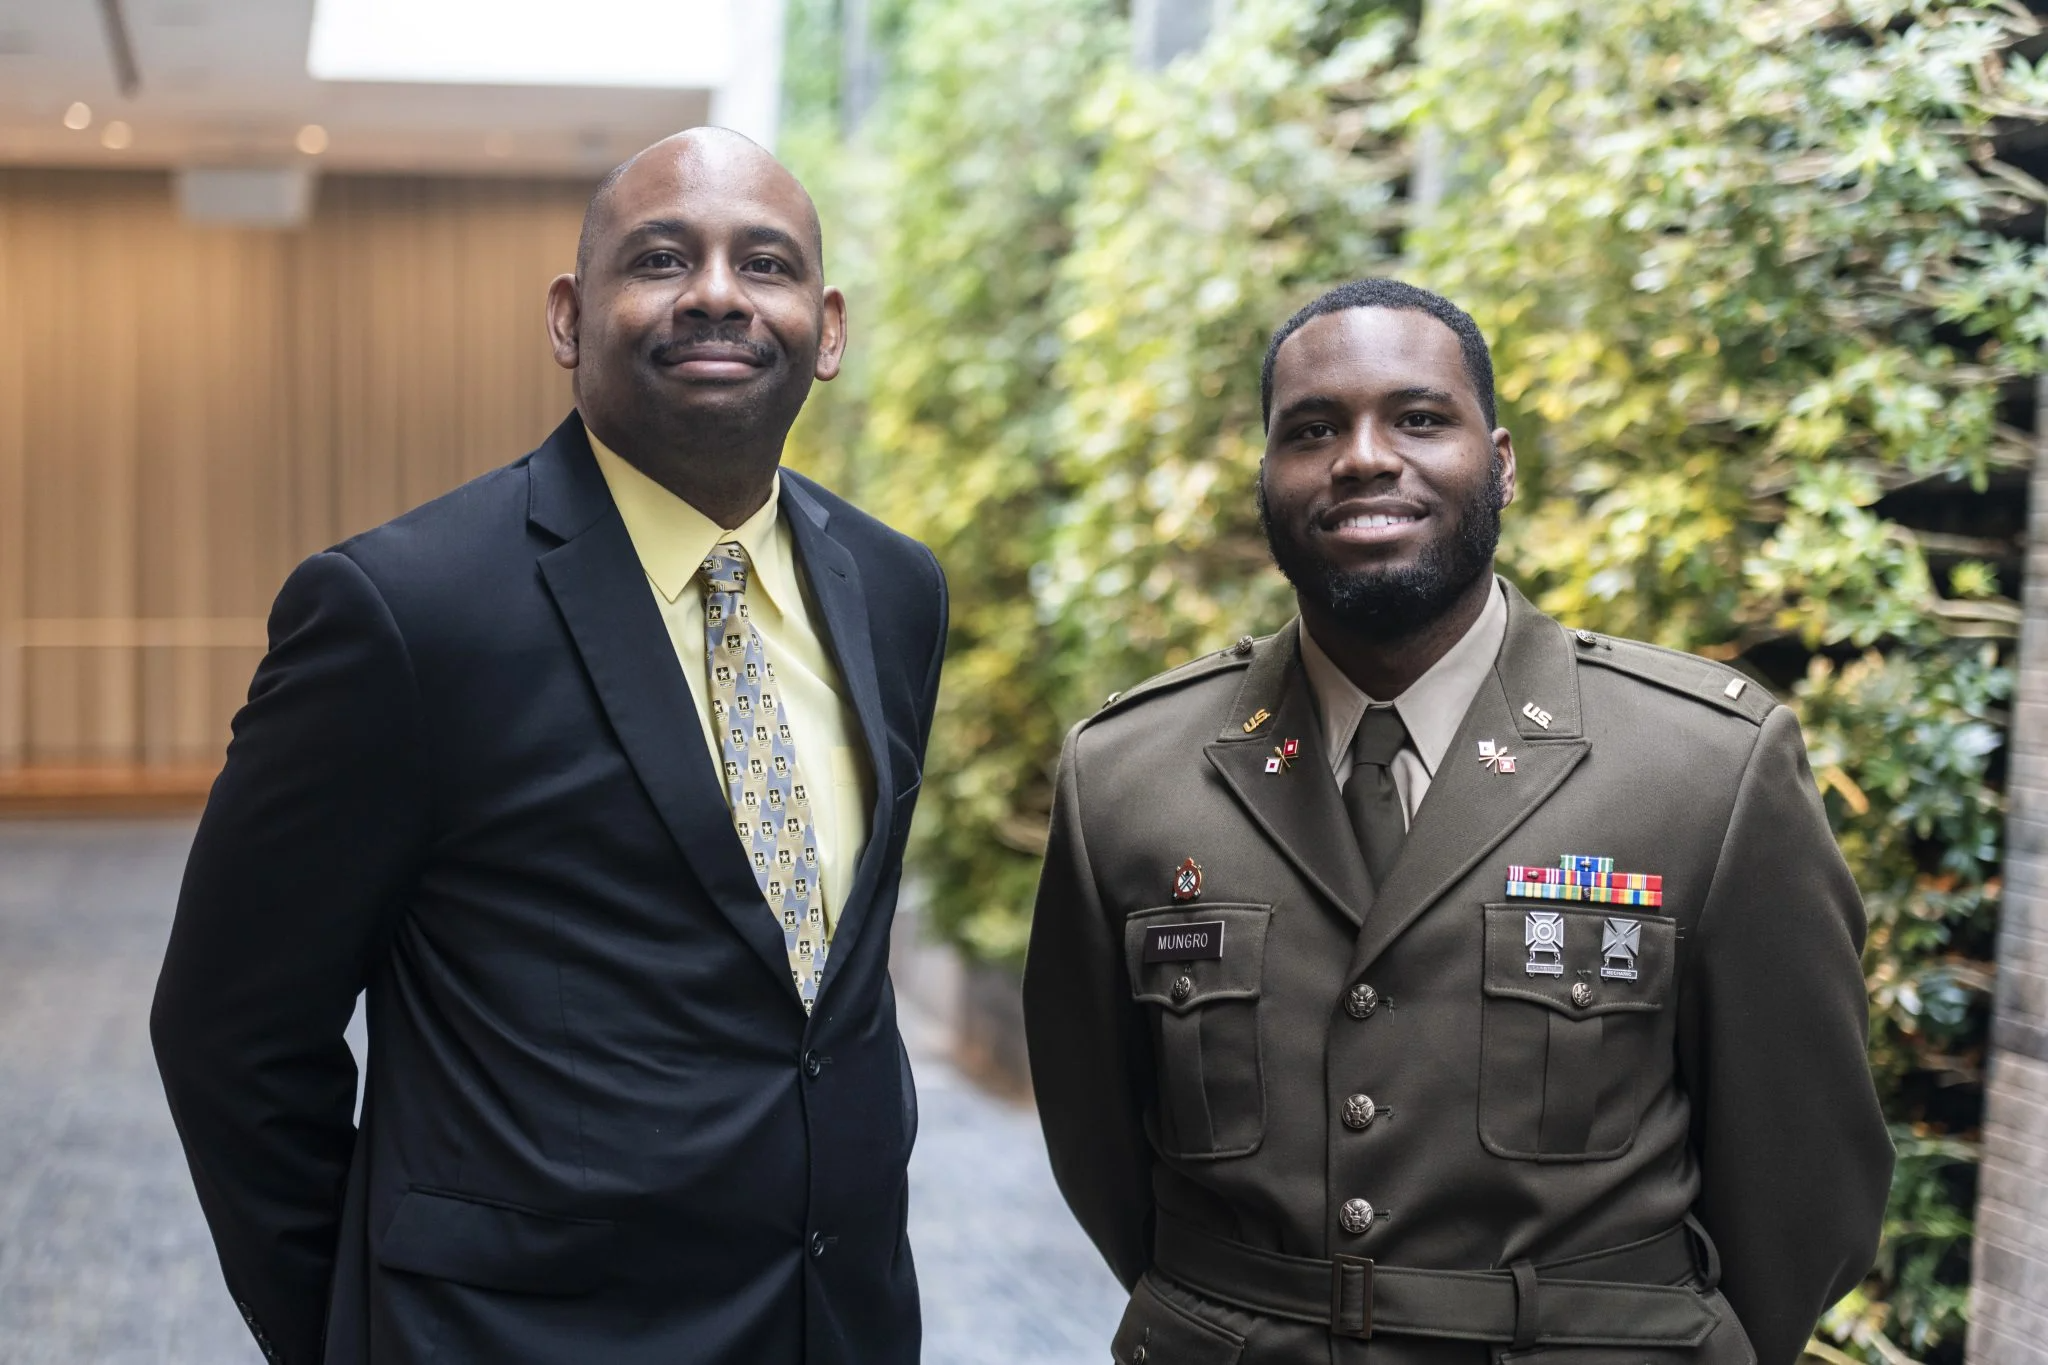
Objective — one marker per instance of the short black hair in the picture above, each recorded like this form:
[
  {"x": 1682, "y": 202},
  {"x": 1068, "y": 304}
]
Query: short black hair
[
  {"x": 594, "y": 212},
  {"x": 1384, "y": 293}
]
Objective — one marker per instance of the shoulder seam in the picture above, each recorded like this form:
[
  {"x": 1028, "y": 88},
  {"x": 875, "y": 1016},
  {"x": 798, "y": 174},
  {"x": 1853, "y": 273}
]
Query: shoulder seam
[
  {"x": 1238, "y": 655},
  {"x": 1687, "y": 675}
]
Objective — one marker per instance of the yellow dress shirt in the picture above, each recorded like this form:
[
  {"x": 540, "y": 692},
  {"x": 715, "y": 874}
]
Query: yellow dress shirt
[{"x": 671, "y": 538}]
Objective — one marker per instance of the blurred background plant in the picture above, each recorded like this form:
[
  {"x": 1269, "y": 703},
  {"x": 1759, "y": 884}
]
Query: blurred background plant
[{"x": 1766, "y": 306}]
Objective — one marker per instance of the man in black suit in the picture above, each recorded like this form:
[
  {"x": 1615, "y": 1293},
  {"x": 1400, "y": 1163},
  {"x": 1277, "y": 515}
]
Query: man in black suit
[{"x": 551, "y": 768}]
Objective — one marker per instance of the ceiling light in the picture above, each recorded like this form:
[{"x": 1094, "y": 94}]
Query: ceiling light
[
  {"x": 660, "y": 44},
  {"x": 78, "y": 117},
  {"x": 116, "y": 136},
  {"x": 312, "y": 139}
]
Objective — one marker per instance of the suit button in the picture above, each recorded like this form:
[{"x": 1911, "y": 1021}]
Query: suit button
[
  {"x": 819, "y": 1241},
  {"x": 1362, "y": 1001},
  {"x": 1360, "y": 1111},
  {"x": 814, "y": 1065},
  {"x": 1355, "y": 1216},
  {"x": 1183, "y": 987}
]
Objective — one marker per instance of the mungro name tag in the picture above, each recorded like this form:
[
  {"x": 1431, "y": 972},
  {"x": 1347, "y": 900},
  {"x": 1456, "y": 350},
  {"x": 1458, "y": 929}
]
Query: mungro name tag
[{"x": 1184, "y": 942}]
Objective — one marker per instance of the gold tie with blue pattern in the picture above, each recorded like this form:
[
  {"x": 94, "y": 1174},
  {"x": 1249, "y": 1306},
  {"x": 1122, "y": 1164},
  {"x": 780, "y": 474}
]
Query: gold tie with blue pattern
[{"x": 764, "y": 785}]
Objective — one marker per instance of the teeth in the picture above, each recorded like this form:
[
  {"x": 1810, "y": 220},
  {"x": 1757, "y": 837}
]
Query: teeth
[{"x": 1350, "y": 523}]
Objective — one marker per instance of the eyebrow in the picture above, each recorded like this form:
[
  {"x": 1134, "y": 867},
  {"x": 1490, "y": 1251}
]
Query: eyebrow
[
  {"x": 1422, "y": 393},
  {"x": 758, "y": 234},
  {"x": 1315, "y": 402}
]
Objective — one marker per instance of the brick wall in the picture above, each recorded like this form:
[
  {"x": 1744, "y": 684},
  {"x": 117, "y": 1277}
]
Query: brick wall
[{"x": 2009, "y": 1298}]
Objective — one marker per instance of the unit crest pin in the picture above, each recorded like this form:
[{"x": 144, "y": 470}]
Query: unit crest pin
[{"x": 1187, "y": 880}]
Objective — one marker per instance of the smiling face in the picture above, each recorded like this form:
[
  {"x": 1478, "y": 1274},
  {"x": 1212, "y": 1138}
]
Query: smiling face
[
  {"x": 1382, "y": 484},
  {"x": 699, "y": 315}
]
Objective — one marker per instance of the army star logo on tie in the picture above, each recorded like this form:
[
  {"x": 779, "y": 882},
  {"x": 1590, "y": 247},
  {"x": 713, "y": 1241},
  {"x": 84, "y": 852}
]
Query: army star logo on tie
[{"x": 764, "y": 783}]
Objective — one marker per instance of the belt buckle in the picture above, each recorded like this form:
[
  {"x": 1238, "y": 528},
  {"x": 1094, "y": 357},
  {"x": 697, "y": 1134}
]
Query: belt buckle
[{"x": 1351, "y": 1312}]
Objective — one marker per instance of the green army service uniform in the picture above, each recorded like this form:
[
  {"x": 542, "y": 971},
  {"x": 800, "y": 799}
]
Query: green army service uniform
[{"x": 1435, "y": 1123}]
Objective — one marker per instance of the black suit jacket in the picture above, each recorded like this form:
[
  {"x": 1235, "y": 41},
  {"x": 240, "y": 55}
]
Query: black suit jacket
[{"x": 597, "y": 1125}]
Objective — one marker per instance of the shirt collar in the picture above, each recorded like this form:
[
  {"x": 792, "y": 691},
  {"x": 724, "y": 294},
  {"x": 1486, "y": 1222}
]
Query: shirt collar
[
  {"x": 671, "y": 537},
  {"x": 1433, "y": 706}
]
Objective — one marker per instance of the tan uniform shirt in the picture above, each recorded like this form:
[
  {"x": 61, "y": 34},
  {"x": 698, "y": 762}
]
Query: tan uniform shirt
[
  {"x": 1432, "y": 708},
  {"x": 671, "y": 538}
]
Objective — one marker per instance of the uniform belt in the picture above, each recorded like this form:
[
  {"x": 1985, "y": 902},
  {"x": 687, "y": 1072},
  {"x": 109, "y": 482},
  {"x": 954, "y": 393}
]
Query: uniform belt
[{"x": 1648, "y": 1293}]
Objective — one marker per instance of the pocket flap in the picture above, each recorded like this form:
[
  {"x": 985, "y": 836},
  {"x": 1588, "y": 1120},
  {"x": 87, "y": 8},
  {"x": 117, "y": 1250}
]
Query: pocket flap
[
  {"x": 495, "y": 1246},
  {"x": 1181, "y": 956},
  {"x": 1580, "y": 960},
  {"x": 1156, "y": 1332}
]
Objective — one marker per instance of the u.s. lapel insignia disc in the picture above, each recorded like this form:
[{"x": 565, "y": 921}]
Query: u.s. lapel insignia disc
[{"x": 1187, "y": 880}]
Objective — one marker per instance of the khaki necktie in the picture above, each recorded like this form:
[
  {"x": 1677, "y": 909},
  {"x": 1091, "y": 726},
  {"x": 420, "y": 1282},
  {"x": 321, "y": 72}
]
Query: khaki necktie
[
  {"x": 1371, "y": 796},
  {"x": 771, "y": 804}
]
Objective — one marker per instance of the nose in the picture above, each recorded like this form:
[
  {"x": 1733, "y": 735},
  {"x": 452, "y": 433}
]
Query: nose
[
  {"x": 1365, "y": 457},
  {"x": 714, "y": 293}
]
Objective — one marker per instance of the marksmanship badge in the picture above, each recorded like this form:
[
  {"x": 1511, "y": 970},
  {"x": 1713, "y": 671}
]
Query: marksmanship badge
[
  {"x": 1619, "y": 943},
  {"x": 1543, "y": 934}
]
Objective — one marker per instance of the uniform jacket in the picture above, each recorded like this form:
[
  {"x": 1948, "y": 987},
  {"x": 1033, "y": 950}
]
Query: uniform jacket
[
  {"x": 1509, "y": 1122},
  {"x": 598, "y": 1125}
]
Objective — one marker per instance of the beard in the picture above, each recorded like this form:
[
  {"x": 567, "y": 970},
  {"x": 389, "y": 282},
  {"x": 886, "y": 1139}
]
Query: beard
[{"x": 1396, "y": 602}]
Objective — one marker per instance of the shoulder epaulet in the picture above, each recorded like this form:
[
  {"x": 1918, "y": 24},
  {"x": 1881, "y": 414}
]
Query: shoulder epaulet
[
  {"x": 1238, "y": 655},
  {"x": 1686, "y": 674}
]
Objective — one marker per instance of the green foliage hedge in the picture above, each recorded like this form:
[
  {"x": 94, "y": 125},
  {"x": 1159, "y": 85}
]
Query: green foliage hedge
[{"x": 1747, "y": 271}]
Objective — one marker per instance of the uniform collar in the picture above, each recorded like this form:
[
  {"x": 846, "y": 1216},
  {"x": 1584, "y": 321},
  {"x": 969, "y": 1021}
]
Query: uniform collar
[
  {"x": 1433, "y": 706},
  {"x": 671, "y": 537}
]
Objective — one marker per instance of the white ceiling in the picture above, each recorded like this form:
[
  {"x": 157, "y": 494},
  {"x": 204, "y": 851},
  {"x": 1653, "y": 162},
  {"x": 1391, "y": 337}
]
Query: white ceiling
[{"x": 224, "y": 83}]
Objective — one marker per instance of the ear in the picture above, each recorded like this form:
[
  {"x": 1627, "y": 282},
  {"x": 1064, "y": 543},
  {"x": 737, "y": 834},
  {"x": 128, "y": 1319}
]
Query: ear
[
  {"x": 565, "y": 314},
  {"x": 831, "y": 335},
  {"x": 1504, "y": 451}
]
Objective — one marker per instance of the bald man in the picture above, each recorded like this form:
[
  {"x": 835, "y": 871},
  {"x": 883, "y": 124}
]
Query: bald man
[{"x": 595, "y": 775}]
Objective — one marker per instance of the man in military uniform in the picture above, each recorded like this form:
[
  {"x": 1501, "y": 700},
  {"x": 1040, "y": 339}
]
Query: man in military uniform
[{"x": 1428, "y": 982}]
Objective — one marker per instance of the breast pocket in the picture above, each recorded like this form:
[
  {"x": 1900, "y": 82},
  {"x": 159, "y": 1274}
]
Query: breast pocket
[
  {"x": 1576, "y": 1033},
  {"x": 1199, "y": 970}
]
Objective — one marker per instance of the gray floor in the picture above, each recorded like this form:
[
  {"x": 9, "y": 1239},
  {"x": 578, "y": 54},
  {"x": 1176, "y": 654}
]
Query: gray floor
[{"x": 104, "y": 1258}]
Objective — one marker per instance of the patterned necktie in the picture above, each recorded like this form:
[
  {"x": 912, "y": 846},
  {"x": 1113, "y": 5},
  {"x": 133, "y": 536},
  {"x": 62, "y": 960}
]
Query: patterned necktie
[
  {"x": 771, "y": 806},
  {"x": 1371, "y": 796}
]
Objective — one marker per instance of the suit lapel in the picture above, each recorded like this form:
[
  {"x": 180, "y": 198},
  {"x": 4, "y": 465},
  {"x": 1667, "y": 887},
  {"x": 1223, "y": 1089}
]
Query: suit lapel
[
  {"x": 1471, "y": 807},
  {"x": 834, "y": 580},
  {"x": 598, "y": 585},
  {"x": 1298, "y": 807}
]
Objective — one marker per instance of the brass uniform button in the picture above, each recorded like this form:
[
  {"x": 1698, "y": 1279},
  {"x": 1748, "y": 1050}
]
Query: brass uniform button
[
  {"x": 1359, "y": 1112},
  {"x": 1585, "y": 637},
  {"x": 1361, "y": 1001},
  {"x": 1243, "y": 646},
  {"x": 1183, "y": 987},
  {"x": 1355, "y": 1217},
  {"x": 1582, "y": 994}
]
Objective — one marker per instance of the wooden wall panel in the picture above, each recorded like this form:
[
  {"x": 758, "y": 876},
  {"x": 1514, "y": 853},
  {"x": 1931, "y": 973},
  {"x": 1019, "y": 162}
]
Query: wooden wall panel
[{"x": 187, "y": 411}]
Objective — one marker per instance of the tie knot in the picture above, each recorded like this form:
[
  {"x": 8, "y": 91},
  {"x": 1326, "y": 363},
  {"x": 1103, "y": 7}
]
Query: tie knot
[
  {"x": 725, "y": 567},
  {"x": 1380, "y": 736}
]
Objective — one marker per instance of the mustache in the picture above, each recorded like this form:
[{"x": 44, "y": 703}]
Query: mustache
[{"x": 670, "y": 351}]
